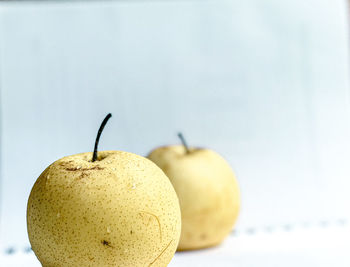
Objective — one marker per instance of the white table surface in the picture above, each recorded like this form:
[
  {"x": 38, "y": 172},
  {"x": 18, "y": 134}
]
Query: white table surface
[{"x": 302, "y": 245}]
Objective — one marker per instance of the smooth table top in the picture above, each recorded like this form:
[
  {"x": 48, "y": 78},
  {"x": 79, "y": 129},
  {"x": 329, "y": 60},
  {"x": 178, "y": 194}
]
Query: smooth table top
[{"x": 312, "y": 246}]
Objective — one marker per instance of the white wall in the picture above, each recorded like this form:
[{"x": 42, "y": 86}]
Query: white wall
[{"x": 265, "y": 83}]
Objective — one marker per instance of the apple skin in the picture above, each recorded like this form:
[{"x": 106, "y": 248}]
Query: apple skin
[
  {"x": 208, "y": 193},
  {"x": 120, "y": 210}
]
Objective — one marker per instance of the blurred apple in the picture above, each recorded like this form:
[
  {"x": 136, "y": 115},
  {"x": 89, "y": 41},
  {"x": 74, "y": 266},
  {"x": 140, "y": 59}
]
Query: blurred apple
[{"x": 207, "y": 190}]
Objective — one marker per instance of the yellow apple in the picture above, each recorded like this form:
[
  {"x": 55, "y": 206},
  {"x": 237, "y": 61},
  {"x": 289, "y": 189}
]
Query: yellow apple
[
  {"x": 118, "y": 210},
  {"x": 207, "y": 190}
]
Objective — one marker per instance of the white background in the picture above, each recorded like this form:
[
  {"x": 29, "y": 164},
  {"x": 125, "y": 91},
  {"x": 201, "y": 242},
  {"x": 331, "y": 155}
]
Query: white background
[
  {"x": 316, "y": 247},
  {"x": 265, "y": 83}
]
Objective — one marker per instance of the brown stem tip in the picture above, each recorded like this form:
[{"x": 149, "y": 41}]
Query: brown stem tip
[
  {"x": 184, "y": 143},
  {"x": 103, "y": 124}
]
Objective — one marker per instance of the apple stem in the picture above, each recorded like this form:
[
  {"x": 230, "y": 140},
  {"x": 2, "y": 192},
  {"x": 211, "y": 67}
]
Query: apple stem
[
  {"x": 184, "y": 143},
  {"x": 103, "y": 124}
]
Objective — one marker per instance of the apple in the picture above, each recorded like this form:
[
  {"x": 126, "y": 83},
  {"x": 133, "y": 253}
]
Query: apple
[
  {"x": 108, "y": 208},
  {"x": 207, "y": 190}
]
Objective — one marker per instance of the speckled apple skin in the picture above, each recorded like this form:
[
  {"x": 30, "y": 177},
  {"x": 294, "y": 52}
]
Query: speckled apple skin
[
  {"x": 208, "y": 192},
  {"x": 119, "y": 211}
]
